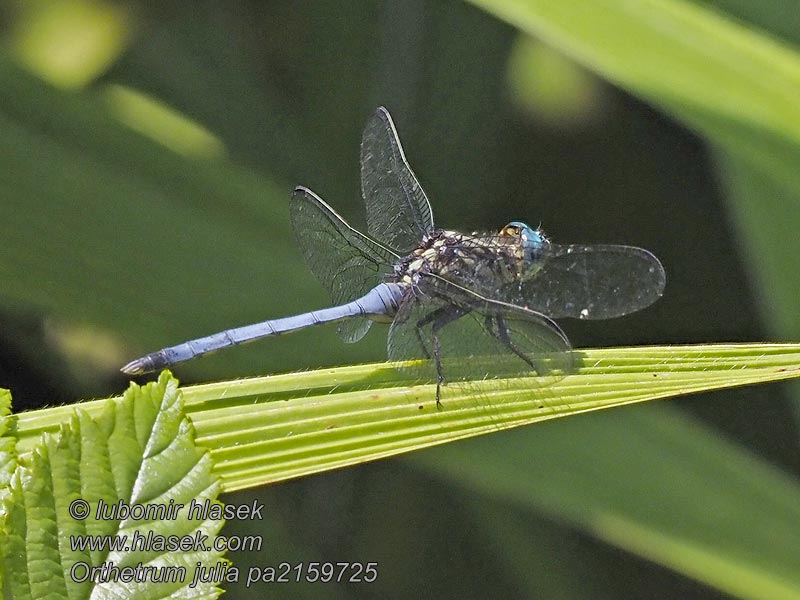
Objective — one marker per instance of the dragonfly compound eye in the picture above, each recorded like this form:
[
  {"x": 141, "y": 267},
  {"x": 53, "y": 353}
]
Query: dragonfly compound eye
[{"x": 533, "y": 241}]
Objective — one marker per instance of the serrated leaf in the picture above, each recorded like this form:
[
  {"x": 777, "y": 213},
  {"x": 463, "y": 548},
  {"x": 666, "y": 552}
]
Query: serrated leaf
[
  {"x": 8, "y": 462},
  {"x": 138, "y": 449},
  {"x": 8, "y": 440}
]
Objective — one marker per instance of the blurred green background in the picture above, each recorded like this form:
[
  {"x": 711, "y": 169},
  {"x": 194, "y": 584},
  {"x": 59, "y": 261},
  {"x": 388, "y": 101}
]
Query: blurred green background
[{"x": 147, "y": 154}]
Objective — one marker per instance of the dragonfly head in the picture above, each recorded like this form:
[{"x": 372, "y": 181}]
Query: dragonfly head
[{"x": 533, "y": 240}]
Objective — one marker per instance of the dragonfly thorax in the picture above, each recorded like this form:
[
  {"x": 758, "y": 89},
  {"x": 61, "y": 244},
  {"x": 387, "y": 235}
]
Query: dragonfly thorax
[
  {"x": 436, "y": 250},
  {"x": 504, "y": 257}
]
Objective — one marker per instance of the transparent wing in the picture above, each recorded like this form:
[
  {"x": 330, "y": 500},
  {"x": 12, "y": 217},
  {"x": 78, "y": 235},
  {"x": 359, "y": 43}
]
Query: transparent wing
[
  {"x": 584, "y": 282},
  {"x": 590, "y": 282},
  {"x": 492, "y": 340},
  {"x": 347, "y": 263},
  {"x": 398, "y": 211}
]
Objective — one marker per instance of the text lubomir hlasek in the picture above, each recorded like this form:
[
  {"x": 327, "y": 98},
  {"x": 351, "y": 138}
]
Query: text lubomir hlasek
[{"x": 200, "y": 511}]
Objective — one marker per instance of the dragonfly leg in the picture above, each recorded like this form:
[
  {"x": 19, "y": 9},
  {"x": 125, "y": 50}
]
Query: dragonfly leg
[
  {"x": 424, "y": 321},
  {"x": 502, "y": 335},
  {"x": 438, "y": 319},
  {"x": 418, "y": 331}
]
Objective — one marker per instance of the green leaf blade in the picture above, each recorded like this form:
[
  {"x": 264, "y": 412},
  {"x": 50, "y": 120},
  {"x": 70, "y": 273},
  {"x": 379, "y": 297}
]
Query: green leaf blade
[{"x": 369, "y": 412}]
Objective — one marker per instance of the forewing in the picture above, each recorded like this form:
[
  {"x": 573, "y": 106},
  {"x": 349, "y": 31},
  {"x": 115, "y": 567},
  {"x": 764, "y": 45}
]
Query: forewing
[
  {"x": 347, "y": 263},
  {"x": 398, "y": 211},
  {"x": 585, "y": 282},
  {"x": 589, "y": 282}
]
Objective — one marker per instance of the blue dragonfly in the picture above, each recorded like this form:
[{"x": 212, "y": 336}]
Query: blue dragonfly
[{"x": 468, "y": 305}]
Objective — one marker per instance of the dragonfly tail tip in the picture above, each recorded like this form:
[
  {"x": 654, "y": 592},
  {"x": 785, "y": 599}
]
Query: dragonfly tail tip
[{"x": 135, "y": 367}]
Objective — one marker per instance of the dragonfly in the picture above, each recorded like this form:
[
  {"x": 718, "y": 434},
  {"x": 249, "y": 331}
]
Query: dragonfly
[{"x": 464, "y": 305}]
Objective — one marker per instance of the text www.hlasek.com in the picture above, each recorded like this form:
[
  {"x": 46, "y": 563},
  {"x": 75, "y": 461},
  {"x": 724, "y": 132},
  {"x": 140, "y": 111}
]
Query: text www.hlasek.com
[{"x": 197, "y": 542}]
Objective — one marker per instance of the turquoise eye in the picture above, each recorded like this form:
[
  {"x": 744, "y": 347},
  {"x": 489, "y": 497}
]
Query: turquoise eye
[{"x": 533, "y": 239}]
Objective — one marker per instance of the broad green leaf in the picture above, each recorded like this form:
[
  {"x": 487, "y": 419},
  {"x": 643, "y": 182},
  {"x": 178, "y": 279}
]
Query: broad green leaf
[
  {"x": 345, "y": 416},
  {"x": 267, "y": 429},
  {"x": 135, "y": 450}
]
